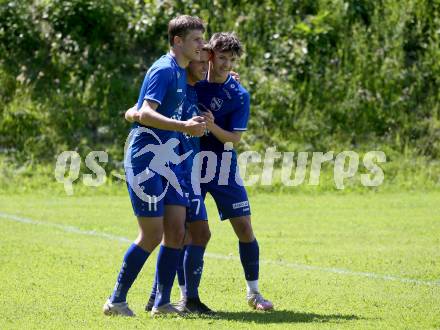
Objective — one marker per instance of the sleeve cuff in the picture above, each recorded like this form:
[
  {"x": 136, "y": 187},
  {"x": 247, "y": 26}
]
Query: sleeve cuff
[{"x": 152, "y": 99}]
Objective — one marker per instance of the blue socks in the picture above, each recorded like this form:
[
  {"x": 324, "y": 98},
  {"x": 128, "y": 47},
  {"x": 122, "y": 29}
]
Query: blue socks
[
  {"x": 250, "y": 256},
  {"x": 180, "y": 275},
  {"x": 193, "y": 265},
  {"x": 134, "y": 259},
  {"x": 154, "y": 288},
  {"x": 167, "y": 260},
  {"x": 180, "y": 270}
]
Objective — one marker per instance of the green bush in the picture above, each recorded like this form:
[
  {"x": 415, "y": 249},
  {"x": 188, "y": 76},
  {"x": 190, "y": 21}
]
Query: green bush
[{"x": 321, "y": 73}]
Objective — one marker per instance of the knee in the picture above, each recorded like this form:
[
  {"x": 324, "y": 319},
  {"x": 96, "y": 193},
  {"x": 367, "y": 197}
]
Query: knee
[
  {"x": 180, "y": 235},
  {"x": 244, "y": 231},
  {"x": 174, "y": 238},
  {"x": 150, "y": 233},
  {"x": 202, "y": 238},
  {"x": 149, "y": 242},
  {"x": 200, "y": 233},
  {"x": 156, "y": 239}
]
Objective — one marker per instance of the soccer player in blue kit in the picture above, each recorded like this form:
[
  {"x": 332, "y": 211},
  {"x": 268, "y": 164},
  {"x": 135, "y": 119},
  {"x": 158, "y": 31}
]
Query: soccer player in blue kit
[
  {"x": 198, "y": 234},
  {"x": 158, "y": 204},
  {"x": 221, "y": 97}
]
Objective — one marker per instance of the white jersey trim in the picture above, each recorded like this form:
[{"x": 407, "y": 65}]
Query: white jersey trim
[{"x": 227, "y": 80}]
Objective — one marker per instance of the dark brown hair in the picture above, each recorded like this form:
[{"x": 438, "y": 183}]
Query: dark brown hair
[
  {"x": 225, "y": 42},
  {"x": 181, "y": 25}
]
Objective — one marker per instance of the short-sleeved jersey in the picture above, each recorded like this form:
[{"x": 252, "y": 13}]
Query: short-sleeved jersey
[
  {"x": 229, "y": 103},
  {"x": 187, "y": 142},
  {"x": 165, "y": 84}
]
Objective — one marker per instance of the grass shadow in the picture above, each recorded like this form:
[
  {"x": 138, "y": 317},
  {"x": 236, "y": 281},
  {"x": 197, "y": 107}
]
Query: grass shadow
[{"x": 282, "y": 316}]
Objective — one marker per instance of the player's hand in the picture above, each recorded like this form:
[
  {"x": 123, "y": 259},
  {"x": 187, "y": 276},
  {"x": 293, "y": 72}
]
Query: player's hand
[
  {"x": 130, "y": 114},
  {"x": 195, "y": 126},
  {"x": 209, "y": 118},
  {"x": 235, "y": 75}
]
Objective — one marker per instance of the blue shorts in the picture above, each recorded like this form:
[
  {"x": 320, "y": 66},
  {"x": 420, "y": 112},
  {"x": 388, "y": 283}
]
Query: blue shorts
[
  {"x": 148, "y": 198},
  {"x": 197, "y": 209},
  {"x": 231, "y": 200}
]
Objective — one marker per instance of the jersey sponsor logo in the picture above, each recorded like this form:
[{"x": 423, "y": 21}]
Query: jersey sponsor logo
[
  {"x": 216, "y": 103},
  {"x": 179, "y": 90},
  {"x": 240, "y": 205}
]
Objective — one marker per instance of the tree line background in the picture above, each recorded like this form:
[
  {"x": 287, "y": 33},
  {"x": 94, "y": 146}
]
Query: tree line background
[{"x": 323, "y": 74}]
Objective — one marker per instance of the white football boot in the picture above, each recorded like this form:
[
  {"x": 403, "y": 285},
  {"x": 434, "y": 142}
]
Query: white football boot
[
  {"x": 117, "y": 309},
  {"x": 256, "y": 301},
  {"x": 166, "y": 309}
]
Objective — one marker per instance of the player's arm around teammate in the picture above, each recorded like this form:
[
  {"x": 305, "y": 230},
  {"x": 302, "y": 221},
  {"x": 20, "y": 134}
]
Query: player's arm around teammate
[
  {"x": 198, "y": 234},
  {"x": 220, "y": 65},
  {"x": 230, "y": 103},
  {"x": 161, "y": 95},
  {"x": 147, "y": 115}
]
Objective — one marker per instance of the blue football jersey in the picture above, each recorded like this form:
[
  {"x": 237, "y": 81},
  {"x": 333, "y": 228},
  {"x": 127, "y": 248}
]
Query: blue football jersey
[
  {"x": 229, "y": 103},
  {"x": 187, "y": 142},
  {"x": 165, "y": 84}
]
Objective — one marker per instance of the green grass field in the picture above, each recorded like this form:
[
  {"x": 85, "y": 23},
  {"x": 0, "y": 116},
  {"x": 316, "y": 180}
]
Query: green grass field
[{"x": 329, "y": 260}]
